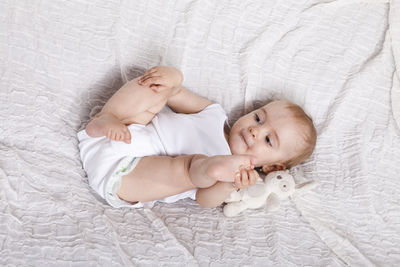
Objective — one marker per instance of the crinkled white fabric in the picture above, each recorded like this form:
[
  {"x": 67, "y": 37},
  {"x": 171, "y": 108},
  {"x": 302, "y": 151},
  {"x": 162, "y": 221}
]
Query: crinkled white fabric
[
  {"x": 394, "y": 31},
  {"x": 60, "y": 59}
]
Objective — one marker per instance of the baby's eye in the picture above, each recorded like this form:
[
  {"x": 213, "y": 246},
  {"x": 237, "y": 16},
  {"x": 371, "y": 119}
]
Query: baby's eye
[
  {"x": 268, "y": 140},
  {"x": 257, "y": 118}
]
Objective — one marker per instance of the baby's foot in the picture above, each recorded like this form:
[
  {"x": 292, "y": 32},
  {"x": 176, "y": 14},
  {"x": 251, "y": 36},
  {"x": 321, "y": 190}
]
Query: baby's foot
[
  {"x": 109, "y": 126},
  {"x": 224, "y": 168}
]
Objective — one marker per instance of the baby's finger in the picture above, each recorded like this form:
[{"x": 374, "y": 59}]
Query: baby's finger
[
  {"x": 253, "y": 176},
  {"x": 145, "y": 77},
  {"x": 151, "y": 80},
  {"x": 150, "y": 71},
  {"x": 244, "y": 177},
  {"x": 158, "y": 87},
  {"x": 148, "y": 75},
  {"x": 153, "y": 69},
  {"x": 141, "y": 78},
  {"x": 238, "y": 183}
]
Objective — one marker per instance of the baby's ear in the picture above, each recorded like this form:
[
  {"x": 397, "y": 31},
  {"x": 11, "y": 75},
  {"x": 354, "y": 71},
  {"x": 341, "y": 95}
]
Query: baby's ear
[{"x": 273, "y": 167}]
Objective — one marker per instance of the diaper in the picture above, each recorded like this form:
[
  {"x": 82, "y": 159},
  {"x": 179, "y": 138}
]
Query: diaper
[{"x": 114, "y": 183}]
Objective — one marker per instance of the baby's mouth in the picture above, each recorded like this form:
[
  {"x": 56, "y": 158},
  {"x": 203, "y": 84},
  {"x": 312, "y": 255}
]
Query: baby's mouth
[{"x": 246, "y": 138}]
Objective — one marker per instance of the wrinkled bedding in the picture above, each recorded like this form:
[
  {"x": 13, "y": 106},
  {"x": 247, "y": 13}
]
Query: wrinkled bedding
[{"x": 61, "y": 60}]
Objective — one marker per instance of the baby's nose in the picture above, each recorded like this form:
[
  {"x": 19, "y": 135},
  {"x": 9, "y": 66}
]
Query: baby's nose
[{"x": 253, "y": 131}]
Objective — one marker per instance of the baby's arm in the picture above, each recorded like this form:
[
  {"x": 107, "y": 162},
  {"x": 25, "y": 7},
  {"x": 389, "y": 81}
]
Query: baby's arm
[
  {"x": 182, "y": 100},
  {"x": 187, "y": 102},
  {"x": 215, "y": 195}
]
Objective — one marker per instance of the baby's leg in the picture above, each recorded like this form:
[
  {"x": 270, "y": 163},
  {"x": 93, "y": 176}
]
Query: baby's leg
[
  {"x": 156, "y": 177},
  {"x": 132, "y": 103},
  {"x": 205, "y": 171}
]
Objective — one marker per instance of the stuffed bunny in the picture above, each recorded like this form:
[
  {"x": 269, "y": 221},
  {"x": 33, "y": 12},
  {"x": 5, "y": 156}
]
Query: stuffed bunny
[{"x": 275, "y": 187}]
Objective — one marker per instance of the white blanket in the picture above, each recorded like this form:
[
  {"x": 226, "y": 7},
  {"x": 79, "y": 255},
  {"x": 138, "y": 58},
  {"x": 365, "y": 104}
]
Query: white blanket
[{"x": 59, "y": 60}]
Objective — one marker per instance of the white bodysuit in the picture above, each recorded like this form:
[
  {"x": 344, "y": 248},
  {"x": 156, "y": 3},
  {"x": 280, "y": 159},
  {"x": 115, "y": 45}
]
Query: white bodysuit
[{"x": 169, "y": 133}]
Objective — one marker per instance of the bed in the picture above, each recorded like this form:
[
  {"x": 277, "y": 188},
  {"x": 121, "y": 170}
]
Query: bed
[{"x": 61, "y": 60}]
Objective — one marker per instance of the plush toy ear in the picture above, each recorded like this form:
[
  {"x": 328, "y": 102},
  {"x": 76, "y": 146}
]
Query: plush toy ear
[
  {"x": 297, "y": 171},
  {"x": 304, "y": 187},
  {"x": 273, "y": 202}
]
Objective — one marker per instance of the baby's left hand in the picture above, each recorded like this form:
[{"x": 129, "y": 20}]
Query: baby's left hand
[
  {"x": 245, "y": 178},
  {"x": 160, "y": 78}
]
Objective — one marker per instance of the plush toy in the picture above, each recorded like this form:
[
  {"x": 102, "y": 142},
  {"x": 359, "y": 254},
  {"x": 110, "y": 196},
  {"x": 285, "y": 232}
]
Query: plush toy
[{"x": 276, "y": 186}]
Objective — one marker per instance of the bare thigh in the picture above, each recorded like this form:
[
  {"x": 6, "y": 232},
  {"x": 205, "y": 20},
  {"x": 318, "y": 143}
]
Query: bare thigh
[
  {"x": 156, "y": 177},
  {"x": 134, "y": 103},
  {"x": 146, "y": 116}
]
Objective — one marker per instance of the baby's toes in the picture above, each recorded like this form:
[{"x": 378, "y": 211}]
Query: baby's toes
[
  {"x": 122, "y": 132},
  {"x": 110, "y": 133},
  {"x": 126, "y": 135},
  {"x": 114, "y": 135},
  {"x": 118, "y": 136}
]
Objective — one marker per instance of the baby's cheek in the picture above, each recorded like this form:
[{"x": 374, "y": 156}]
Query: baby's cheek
[
  {"x": 237, "y": 146},
  {"x": 262, "y": 156}
]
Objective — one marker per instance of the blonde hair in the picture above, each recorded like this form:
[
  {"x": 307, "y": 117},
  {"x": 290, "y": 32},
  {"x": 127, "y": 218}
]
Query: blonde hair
[{"x": 308, "y": 133}]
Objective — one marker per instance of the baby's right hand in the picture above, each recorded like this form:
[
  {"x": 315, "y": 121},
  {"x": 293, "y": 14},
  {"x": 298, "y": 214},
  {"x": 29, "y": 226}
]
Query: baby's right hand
[
  {"x": 245, "y": 178},
  {"x": 161, "y": 78}
]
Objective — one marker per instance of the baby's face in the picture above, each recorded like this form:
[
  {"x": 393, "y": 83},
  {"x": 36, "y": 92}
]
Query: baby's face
[{"x": 270, "y": 134}]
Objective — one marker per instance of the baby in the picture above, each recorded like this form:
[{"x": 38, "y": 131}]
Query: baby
[{"x": 156, "y": 141}]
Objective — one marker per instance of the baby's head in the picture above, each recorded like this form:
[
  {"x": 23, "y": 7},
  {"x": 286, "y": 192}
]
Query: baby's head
[{"x": 279, "y": 135}]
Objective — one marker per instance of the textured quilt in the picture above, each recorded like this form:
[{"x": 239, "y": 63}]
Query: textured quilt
[{"x": 61, "y": 60}]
